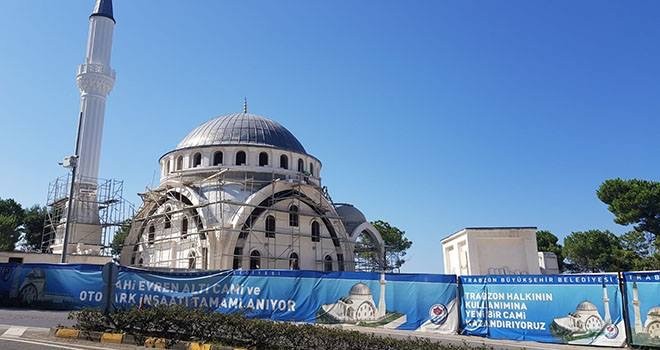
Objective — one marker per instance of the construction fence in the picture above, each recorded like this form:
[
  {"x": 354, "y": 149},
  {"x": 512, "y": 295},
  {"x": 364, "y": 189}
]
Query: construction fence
[{"x": 607, "y": 309}]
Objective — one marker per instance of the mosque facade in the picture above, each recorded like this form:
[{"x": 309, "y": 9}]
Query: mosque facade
[{"x": 240, "y": 191}]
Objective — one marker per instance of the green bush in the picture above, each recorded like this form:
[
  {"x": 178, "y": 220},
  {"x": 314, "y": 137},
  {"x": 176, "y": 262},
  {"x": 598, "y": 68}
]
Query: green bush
[{"x": 178, "y": 323}]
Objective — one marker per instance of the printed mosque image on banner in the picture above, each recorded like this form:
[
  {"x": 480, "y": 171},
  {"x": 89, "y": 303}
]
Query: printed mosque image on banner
[
  {"x": 649, "y": 328},
  {"x": 241, "y": 192},
  {"x": 357, "y": 306},
  {"x": 586, "y": 323}
]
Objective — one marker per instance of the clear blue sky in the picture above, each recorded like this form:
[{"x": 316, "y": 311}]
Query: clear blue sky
[{"x": 432, "y": 115}]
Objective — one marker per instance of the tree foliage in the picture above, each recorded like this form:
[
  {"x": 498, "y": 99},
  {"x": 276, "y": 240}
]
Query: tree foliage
[
  {"x": 634, "y": 202},
  {"x": 11, "y": 218},
  {"x": 593, "y": 251},
  {"x": 396, "y": 244},
  {"x": 638, "y": 252},
  {"x": 33, "y": 226},
  {"x": 548, "y": 242},
  {"x": 120, "y": 237}
]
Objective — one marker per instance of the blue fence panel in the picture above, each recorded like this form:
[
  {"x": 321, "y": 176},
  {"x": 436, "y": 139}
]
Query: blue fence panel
[
  {"x": 573, "y": 309},
  {"x": 53, "y": 286},
  {"x": 643, "y": 304},
  {"x": 400, "y": 301}
]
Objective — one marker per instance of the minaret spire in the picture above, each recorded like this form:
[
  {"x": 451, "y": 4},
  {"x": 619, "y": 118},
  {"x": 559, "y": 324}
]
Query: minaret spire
[{"x": 103, "y": 8}]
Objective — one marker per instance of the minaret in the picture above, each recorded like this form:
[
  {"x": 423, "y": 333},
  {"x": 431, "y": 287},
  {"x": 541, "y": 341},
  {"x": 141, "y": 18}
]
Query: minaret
[
  {"x": 606, "y": 304},
  {"x": 381, "y": 298},
  {"x": 95, "y": 78},
  {"x": 638, "y": 315}
]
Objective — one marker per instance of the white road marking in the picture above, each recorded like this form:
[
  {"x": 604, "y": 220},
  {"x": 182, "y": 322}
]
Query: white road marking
[
  {"x": 14, "y": 332},
  {"x": 54, "y": 344}
]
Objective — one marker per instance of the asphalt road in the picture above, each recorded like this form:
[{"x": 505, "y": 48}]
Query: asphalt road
[{"x": 34, "y": 318}]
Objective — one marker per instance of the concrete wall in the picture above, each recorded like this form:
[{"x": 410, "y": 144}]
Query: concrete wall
[
  {"x": 491, "y": 250},
  {"x": 548, "y": 263}
]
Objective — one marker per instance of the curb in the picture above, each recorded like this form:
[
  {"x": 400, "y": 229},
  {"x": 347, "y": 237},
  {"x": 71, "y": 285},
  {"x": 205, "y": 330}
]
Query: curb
[{"x": 121, "y": 338}]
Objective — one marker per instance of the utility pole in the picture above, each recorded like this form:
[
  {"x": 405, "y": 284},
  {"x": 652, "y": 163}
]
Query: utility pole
[{"x": 70, "y": 162}]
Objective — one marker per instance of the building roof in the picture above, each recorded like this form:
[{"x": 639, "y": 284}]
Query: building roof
[
  {"x": 103, "y": 8},
  {"x": 586, "y": 306},
  {"x": 493, "y": 228},
  {"x": 360, "y": 289},
  {"x": 242, "y": 129},
  {"x": 351, "y": 216}
]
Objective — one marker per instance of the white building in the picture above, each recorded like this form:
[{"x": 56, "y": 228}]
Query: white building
[
  {"x": 491, "y": 250},
  {"x": 240, "y": 191}
]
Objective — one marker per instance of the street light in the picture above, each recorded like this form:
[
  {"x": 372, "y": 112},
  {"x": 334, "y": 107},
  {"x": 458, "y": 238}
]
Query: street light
[{"x": 70, "y": 162}]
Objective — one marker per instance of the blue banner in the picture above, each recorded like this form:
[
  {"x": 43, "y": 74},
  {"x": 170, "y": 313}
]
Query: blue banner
[
  {"x": 396, "y": 301},
  {"x": 572, "y": 309},
  {"x": 643, "y": 305},
  {"x": 54, "y": 286}
]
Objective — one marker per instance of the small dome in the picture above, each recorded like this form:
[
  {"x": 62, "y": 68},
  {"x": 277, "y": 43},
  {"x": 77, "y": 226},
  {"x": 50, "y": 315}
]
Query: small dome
[
  {"x": 242, "y": 129},
  {"x": 586, "y": 306},
  {"x": 360, "y": 289},
  {"x": 351, "y": 216},
  {"x": 654, "y": 311}
]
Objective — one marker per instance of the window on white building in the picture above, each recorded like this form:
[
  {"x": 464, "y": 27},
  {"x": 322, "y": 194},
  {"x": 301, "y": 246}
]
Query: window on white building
[
  {"x": 263, "y": 159},
  {"x": 284, "y": 162},
  {"x": 270, "y": 226}
]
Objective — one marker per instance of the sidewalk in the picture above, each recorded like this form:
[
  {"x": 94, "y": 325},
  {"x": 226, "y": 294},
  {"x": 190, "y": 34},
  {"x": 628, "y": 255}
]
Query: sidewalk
[{"x": 470, "y": 341}]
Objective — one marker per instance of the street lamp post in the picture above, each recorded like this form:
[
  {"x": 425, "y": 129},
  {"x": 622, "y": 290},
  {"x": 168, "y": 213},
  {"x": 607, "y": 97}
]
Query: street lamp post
[{"x": 70, "y": 162}]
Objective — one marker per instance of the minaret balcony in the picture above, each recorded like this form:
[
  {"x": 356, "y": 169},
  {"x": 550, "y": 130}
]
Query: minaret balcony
[{"x": 96, "y": 68}]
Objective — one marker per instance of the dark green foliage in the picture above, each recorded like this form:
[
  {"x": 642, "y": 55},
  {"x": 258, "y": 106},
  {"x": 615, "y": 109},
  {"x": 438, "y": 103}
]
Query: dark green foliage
[
  {"x": 178, "y": 323},
  {"x": 120, "y": 237},
  {"x": 396, "y": 243},
  {"x": 33, "y": 226},
  {"x": 11, "y": 218},
  {"x": 593, "y": 251},
  {"x": 634, "y": 202},
  {"x": 547, "y": 242}
]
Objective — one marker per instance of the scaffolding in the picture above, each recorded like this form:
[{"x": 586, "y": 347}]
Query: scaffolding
[
  {"x": 98, "y": 202},
  {"x": 278, "y": 249}
]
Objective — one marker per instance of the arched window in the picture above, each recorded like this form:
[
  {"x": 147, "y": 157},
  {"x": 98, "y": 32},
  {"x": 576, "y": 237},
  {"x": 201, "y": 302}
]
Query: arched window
[
  {"x": 151, "y": 237},
  {"x": 293, "y": 215},
  {"x": 316, "y": 232},
  {"x": 192, "y": 260},
  {"x": 197, "y": 160},
  {"x": 184, "y": 228},
  {"x": 141, "y": 262},
  {"x": 167, "y": 167},
  {"x": 240, "y": 158},
  {"x": 168, "y": 218},
  {"x": 327, "y": 263},
  {"x": 270, "y": 226},
  {"x": 135, "y": 251},
  {"x": 255, "y": 260},
  {"x": 284, "y": 162},
  {"x": 263, "y": 159},
  {"x": 217, "y": 158},
  {"x": 179, "y": 162},
  {"x": 301, "y": 165},
  {"x": 238, "y": 258},
  {"x": 311, "y": 168},
  {"x": 293, "y": 262}
]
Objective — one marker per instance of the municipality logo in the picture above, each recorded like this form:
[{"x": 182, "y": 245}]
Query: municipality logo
[
  {"x": 438, "y": 314},
  {"x": 611, "y": 331}
]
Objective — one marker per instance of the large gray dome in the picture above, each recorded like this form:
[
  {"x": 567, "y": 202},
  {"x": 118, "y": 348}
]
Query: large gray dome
[{"x": 242, "y": 129}]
